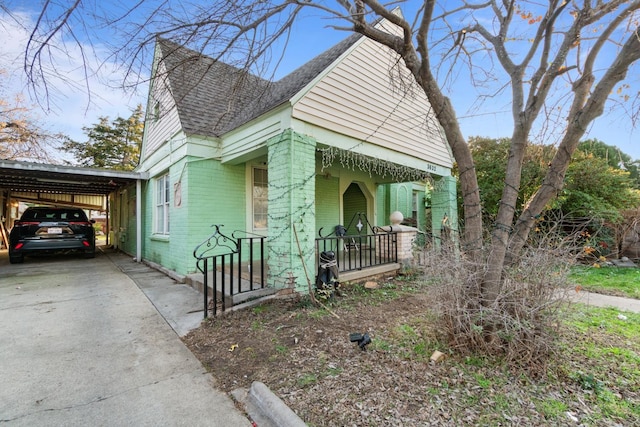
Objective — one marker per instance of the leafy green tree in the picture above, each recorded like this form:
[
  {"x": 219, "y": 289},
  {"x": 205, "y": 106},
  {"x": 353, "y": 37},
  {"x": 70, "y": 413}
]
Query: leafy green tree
[
  {"x": 596, "y": 190},
  {"x": 594, "y": 186},
  {"x": 110, "y": 145},
  {"x": 490, "y": 156},
  {"x": 613, "y": 156}
]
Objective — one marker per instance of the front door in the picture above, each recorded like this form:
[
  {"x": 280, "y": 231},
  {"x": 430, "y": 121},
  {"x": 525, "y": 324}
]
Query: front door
[{"x": 353, "y": 202}]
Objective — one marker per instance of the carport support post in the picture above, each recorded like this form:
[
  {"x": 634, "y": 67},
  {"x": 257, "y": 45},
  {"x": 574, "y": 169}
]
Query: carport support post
[
  {"x": 7, "y": 211},
  {"x": 138, "y": 220}
]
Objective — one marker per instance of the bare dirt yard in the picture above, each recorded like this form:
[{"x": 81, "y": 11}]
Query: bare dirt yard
[{"x": 304, "y": 354}]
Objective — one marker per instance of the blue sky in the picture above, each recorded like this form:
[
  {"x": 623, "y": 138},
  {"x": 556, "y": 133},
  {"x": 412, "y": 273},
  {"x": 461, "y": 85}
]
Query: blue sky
[{"x": 72, "y": 108}]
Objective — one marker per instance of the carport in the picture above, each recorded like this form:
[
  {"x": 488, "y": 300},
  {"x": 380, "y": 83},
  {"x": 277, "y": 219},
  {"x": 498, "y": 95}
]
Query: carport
[{"x": 49, "y": 184}]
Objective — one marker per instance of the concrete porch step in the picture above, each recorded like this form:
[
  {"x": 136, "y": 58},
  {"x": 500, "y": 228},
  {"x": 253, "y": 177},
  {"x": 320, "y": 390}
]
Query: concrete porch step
[
  {"x": 241, "y": 291},
  {"x": 369, "y": 272}
]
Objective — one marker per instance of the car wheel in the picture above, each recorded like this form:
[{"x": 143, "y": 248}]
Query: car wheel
[{"x": 16, "y": 259}]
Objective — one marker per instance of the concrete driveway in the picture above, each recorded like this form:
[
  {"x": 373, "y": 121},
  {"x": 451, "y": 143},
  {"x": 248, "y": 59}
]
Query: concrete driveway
[{"x": 81, "y": 345}]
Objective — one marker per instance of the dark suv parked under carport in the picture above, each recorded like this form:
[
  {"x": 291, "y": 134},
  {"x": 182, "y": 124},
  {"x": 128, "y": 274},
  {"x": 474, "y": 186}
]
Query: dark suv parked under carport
[{"x": 46, "y": 230}]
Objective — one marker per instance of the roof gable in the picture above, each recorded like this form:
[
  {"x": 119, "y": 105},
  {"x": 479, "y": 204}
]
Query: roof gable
[
  {"x": 213, "y": 98},
  {"x": 208, "y": 94},
  {"x": 371, "y": 97}
]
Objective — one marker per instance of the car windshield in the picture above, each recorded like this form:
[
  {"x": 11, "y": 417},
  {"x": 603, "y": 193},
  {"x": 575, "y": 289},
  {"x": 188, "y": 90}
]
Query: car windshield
[{"x": 54, "y": 215}]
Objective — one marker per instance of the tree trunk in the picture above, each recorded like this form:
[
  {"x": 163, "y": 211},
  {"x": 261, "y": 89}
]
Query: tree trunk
[
  {"x": 472, "y": 238},
  {"x": 588, "y": 104},
  {"x": 551, "y": 186},
  {"x": 492, "y": 280}
]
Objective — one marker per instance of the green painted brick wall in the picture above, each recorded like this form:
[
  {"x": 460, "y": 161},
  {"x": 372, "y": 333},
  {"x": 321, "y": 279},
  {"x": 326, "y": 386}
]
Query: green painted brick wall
[
  {"x": 216, "y": 195},
  {"x": 327, "y": 204},
  {"x": 291, "y": 209},
  {"x": 164, "y": 249},
  {"x": 211, "y": 193}
]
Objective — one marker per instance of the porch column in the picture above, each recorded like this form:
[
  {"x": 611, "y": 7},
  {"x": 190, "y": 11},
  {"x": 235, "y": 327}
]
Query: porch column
[
  {"x": 406, "y": 236},
  {"x": 444, "y": 211},
  {"x": 291, "y": 218}
]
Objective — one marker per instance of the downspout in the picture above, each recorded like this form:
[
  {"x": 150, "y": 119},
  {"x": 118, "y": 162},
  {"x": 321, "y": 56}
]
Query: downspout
[{"x": 138, "y": 220}]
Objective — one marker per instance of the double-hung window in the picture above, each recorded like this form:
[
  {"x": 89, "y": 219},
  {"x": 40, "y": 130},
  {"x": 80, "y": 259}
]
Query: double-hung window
[{"x": 163, "y": 197}]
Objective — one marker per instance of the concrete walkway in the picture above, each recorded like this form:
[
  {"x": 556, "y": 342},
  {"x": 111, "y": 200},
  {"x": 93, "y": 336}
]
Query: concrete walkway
[
  {"x": 599, "y": 300},
  {"x": 81, "y": 345}
]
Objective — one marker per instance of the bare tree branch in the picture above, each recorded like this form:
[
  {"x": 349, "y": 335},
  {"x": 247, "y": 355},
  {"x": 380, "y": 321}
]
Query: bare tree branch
[{"x": 534, "y": 49}]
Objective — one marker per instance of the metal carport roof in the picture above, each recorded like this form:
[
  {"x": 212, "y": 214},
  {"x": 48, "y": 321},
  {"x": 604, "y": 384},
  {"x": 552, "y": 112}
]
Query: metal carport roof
[
  {"x": 18, "y": 177},
  {"x": 46, "y": 178}
]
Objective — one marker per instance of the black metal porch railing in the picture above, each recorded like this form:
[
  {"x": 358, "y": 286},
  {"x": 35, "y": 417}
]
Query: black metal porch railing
[
  {"x": 377, "y": 246},
  {"x": 233, "y": 264}
]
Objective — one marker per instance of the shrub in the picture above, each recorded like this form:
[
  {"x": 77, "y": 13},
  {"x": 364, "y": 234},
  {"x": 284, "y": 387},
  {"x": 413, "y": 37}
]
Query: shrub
[{"x": 520, "y": 325}]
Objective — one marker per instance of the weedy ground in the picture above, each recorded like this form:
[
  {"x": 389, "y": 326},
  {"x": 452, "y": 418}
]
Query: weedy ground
[{"x": 304, "y": 355}]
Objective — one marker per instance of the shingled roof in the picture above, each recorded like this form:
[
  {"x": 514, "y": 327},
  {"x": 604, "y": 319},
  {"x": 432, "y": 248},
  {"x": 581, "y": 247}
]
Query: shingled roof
[{"x": 214, "y": 98}]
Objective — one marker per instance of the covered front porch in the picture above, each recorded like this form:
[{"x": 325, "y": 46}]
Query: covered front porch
[
  {"x": 317, "y": 199},
  {"x": 233, "y": 270},
  {"x": 316, "y": 189}
]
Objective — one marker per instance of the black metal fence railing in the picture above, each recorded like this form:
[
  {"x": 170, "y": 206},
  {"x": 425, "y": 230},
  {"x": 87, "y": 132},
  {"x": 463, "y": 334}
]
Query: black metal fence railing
[
  {"x": 355, "y": 252},
  {"x": 231, "y": 265}
]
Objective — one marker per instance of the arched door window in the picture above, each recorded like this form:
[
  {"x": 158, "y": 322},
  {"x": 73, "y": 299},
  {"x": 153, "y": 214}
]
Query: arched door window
[{"x": 353, "y": 201}]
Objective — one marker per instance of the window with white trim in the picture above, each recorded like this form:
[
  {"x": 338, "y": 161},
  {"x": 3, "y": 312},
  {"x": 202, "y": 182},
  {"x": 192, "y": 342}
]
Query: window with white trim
[
  {"x": 163, "y": 198},
  {"x": 259, "y": 198}
]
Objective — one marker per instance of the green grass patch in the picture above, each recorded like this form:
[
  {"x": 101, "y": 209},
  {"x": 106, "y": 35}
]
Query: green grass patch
[
  {"x": 380, "y": 344},
  {"x": 482, "y": 381},
  {"x": 608, "y": 280},
  {"x": 257, "y": 325},
  {"x": 307, "y": 379},
  {"x": 615, "y": 407},
  {"x": 477, "y": 361},
  {"x": 260, "y": 309},
  {"x": 603, "y": 359},
  {"x": 610, "y": 320},
  {"x": 408, "y": 341},
  {"x": 552, "y": 409}
]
